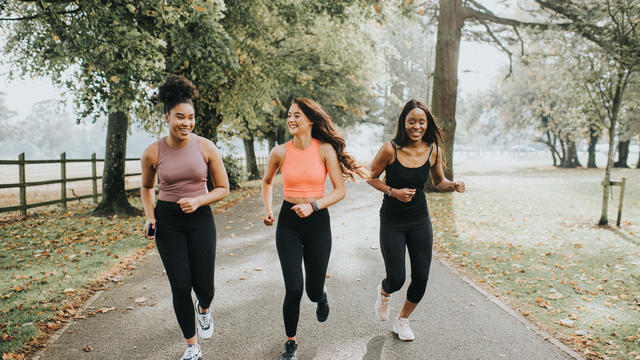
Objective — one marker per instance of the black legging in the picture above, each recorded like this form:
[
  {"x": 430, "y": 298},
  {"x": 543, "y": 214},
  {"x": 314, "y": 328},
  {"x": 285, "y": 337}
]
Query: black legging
[
  {"x": 187, "y": 247},
  {"x": 298, "y": 238},
  {"x": 417, "y": 236}
]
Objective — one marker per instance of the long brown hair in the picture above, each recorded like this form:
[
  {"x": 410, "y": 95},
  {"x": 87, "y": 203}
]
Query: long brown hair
[
  {"x": 325, "y": 130},
  {"x": 433, "y": 135}
]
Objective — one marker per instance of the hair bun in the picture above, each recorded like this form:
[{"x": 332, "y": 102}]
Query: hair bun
[{"x": 176, "y": 89}]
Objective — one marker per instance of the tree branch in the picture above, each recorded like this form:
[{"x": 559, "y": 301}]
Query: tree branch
[{"x": 470, "y": 13}]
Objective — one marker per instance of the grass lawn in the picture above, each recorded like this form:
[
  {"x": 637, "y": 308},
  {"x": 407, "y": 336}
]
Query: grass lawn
[
  {"x": 529, "y": 235},
  {"x": 51, "y": 261}
]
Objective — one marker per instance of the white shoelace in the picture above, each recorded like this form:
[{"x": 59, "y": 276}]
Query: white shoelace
[
  {"x": 204, "y": 319},
  {"x": 191, "y": 352},
  {"x": 384, "y": 303}
]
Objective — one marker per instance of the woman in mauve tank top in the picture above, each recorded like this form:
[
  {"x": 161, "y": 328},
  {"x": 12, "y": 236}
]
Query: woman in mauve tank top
[
  {"x": 182, "y": 221},
  {"x": 407, "y": 161},
  {"x": 303, "y": 233}
]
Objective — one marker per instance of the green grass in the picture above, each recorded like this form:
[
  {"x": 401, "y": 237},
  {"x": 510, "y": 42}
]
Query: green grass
[
  {"x": 529, "y": 235},
  {"x": 49, "y": 260}
]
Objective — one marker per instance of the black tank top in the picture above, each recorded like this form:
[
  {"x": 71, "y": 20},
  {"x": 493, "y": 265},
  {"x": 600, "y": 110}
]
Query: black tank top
[{"x": 399, "y": 176}]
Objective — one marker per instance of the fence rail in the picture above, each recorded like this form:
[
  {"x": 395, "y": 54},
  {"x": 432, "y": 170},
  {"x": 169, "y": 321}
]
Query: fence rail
[{"x": 22, "y": 184}]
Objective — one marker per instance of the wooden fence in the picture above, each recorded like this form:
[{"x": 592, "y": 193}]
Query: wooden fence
[{"x": 22, "y": 184}]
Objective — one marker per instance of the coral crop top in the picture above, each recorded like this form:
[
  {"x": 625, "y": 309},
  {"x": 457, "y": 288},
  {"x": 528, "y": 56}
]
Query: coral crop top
[{"x": 303, "y": 172}]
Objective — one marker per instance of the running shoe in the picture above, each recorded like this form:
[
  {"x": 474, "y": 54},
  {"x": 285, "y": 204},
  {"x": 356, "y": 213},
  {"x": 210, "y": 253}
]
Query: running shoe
[
  {"x": 383, "y": 303},
  {"x": 205, "y": 323},
  {"x": 402, "y": 328},
  {"x": 322, "y": 310},
  {"x": 290, "y": 348},
  {"x": 193, "y": 352}
]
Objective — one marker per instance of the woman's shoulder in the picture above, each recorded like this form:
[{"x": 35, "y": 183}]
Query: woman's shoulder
[
  {"x": 278, "y": 150},
  {"x": 151, "y": 152},
  {"x": 204, "y": 142},
  {"x": 326, "y": 148}
]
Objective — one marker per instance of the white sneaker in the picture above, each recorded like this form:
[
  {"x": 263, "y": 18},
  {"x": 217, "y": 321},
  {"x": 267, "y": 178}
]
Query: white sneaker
[
  {"x": 193, "y": 352},
  {"x": 205, "y": 323},
  {"x": 402, "y": 328},
  {"x": 382, "y": 307}
]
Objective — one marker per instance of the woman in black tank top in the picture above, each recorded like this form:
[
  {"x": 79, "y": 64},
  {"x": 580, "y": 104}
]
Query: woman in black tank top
[{"x": 408, "y": 160}]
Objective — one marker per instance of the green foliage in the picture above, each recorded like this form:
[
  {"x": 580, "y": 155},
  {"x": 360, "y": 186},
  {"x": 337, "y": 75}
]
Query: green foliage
[
  {"x": 408, "y": 66},
  {"x": 294, "y": 48},
  {"x": 235, "y": 171},
  {"x": 106, "y": 54}
]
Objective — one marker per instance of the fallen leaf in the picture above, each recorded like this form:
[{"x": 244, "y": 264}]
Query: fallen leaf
[{"x": 106, "y": 309}]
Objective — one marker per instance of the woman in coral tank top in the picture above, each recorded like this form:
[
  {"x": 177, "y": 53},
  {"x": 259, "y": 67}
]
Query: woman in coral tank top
[
  {"x": 303, "y": 233},
  {"x": 182, "y": 221}
]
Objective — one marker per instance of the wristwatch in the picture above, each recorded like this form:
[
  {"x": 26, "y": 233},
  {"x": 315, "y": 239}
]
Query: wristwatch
[{"x": 388, "y": 192}]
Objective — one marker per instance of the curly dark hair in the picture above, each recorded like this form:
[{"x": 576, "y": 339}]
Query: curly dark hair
[
  {"x": 324, "y": 130},
  {"x": 176, "y": 90}
]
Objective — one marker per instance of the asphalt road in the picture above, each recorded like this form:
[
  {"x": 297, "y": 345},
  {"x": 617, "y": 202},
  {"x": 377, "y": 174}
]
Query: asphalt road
[{"x": 453, "y": 321}]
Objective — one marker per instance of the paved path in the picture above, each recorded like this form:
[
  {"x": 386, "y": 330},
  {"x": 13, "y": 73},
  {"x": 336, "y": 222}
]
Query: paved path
[{"x": 453, "y": 321}]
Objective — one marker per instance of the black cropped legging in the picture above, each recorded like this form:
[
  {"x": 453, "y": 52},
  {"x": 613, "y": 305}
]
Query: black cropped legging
[
  {"x": 297, "y": 239},
  {"x": 187, "y": 247},
  {"x": 416, "y": 235}
]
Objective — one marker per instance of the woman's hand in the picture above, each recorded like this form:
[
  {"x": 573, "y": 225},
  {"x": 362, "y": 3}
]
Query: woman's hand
[
  {"x": 303, "y": 210},
  {"x": 404, "y": 195},
  {"x": 269, "y": 219},
  {"x": 152, "y": 223},
  {"x": 459, "y": 186},
  {"x": 189, "y": 205}
]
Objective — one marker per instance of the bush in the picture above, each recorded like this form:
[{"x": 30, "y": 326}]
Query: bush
[{"x": 234, "y": 171}]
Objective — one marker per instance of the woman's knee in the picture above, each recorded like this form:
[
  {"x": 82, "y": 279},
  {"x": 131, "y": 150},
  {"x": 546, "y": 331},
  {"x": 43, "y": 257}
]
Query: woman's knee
[
  {"x": 395, "y": 282},
  {"x": 293, "y": 292}
]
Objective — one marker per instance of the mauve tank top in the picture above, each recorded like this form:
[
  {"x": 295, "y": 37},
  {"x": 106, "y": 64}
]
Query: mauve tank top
[{"x": 182, "y": 172}]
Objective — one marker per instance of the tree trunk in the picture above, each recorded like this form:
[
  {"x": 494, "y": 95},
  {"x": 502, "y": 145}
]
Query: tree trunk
[
  {"x": 552, "y": 148},
  {"x": 623, "y": 154},
  {"x": 272, "y": 141},
  {"x": 114, "y": 198},
  {"x": 445, "y": 83},
  {"x": 572, "y": 156},
  {"x": 593, "y": 140},
  {"x": 638, "y": 164},
  {"x": 607, "y": 175},
  {"x": 250, "y": 155},
  {"x": 623, "y": 77},
  {"x": 563, "y": 159},
  {"x": 207, "y": 121}
]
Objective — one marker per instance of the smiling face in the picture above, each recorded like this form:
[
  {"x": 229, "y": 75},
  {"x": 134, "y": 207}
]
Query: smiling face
[
  {"x": 181, "y": 120},
  {"x": 415, "y": 124},
  {"x": 297, "y": 121}
]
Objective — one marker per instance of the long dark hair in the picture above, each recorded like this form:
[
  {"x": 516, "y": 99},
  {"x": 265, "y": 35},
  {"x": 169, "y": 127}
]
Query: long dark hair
[
  {"x": 325, "y": 130},
  {"x": 433, "y": 135},
  {"x": 176, "y": 90}
]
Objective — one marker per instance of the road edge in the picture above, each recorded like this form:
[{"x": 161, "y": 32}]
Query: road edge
[{"x": 543, "y": 334}]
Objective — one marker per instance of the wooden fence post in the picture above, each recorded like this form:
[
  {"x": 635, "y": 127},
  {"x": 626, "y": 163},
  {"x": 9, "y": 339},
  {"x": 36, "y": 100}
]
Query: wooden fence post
[
  {"x": 94, "y": 174},
  {"x": 624, "y": 180},
  {"x": 63, "y": 178},
  {"x": 23, "y": 188}
]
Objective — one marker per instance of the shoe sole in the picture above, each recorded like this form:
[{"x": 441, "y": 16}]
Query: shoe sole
[{"x": 402, "y": 337}]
